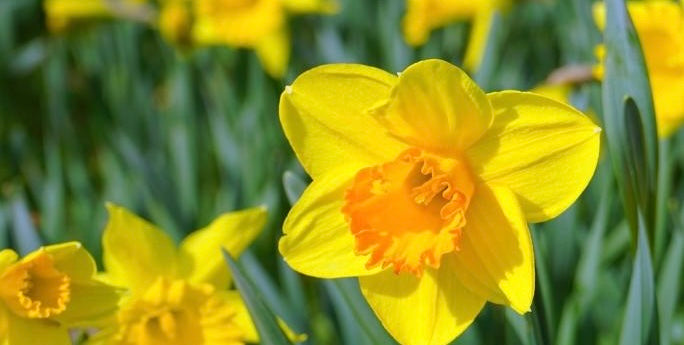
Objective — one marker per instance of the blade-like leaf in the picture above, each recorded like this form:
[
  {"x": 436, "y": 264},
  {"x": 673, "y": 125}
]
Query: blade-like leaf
[
  {"x": 629, "y": 118},
  {"x": 347, "y": 296},
  {"x": 639, "y": 324},
  {"x": 669, "y": 284},
  {"x": 294, "y": 186},
  {"x": 24, "y": 232},
  {"x": 631, "y": 132},
  {"x": 264, "y": 320}
]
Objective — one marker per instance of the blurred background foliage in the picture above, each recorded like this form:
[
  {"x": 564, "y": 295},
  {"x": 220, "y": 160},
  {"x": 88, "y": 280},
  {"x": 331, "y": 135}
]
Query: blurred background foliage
[{"x": 111, "y": 112}]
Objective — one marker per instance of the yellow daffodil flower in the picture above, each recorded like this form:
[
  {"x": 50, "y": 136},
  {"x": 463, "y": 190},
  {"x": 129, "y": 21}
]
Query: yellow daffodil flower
[
  {"x": 177, "y": 296},
  {"x": 660, "y": 27},
  {"x": 50, "y": 291},
  {"x": 254, "y": 24},
  {"x": 62, "y": 14},
  {"x": 423, "y": 186},
  {"x": 423, "y": 16}
]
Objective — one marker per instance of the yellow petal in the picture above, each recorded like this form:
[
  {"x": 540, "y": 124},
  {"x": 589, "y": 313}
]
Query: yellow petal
[
  {"x": 479, "y": 34},
  {"x": 435, "y": 105},
  {"x": 273, "y": 51},
  {"x": 71, "y": 258},
  {"x": 135, "y": 252},
  {"x": 324, "y": 114},
  {"x": 92, "y": 304},
  {"x": 422, "y": 16},
  {"x": 221, "y": 22},
  {"x": 495, "y": 258},
  {"x": 543, "y": 150},
  {"x": 7, "y": 257},
  {"x": 241, "y": 317},
  {"x": 61, "y": 13},
  {"x": 3, "y": 325},
  {"x": 312, "y": 6},
  {"x": 317, "y": 240},
  {"x": 23, "y": 331},
  {"x": 233, "y": 231},
  {"x": 668, "y": 89},
  {"x": 431, "y": 310}
]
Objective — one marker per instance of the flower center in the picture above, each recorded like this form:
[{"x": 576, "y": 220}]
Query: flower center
[
  {"x": 35, "y": 288},
  {"x": 408, "y": 212},
  {"x": 177, "y": 313}
]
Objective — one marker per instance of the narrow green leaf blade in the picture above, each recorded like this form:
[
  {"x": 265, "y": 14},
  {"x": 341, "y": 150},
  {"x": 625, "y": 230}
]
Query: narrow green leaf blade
[
  {"x": 264, "y": 320},
  {"x": 639, "y": 323},
  {"x": 630, "y": 125}
]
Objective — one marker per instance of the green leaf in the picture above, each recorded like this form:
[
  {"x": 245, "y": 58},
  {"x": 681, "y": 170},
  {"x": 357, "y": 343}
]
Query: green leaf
[
  {"x": 629, "y": 118},
  {"x": 669, "y": 285},
  {"x": 294, "y": 186},
  {"x": 543, "y": 313},
  {"x": 272, "y": 297},
  {"x": 264, "y": 320},
  {"x": 348, "y": 299},
  {"x": 639, "y": 325},
  {"x": 632, "y": 142},
  {"x": 24, "y": 233}
]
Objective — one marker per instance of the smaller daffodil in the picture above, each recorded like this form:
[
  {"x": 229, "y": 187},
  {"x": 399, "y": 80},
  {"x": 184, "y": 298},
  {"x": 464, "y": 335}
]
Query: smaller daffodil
[
  {"x": 176, "y": 295},
  {"x": 63, "y": 14},
  {"x": 260, "y": 25},
  {"x": 423, "y": 16},
  {"x": 50, "y": 291},
  {"x": 423, "y": 186},
  {"x": 659, "y": 25}
]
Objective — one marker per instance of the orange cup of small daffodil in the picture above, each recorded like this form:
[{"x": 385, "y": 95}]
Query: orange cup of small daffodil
[
  {"x": 660, "y": 27},
  {"x": 176, "y": 295},
  {"x": 50, "y": 291},
  {"x": 423, "y": 186}
]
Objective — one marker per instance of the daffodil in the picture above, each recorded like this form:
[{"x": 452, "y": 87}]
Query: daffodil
[
  {"x": 660, "y": 27},
  {"x": 423, "y": 186},
  {"x": 423, "y": 16},
  {"x": 176, "y": 295},
  {"x": 48, "y": 292},
  {"x": 62, "y": 14},
  {"x": 254, "y": 24}
]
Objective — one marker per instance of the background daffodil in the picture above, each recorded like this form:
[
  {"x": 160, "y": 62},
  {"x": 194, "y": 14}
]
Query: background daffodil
[
  {"x": 423, "y": 186},
  {"x": 423, "y": 16},
  {"x": 255, "y": 24},
  {"x": 62, "y": 14},
  {"x": 660, "y": 27},
  {"x": 177, "y": 295},
  {"x": 48, "y": 292}
]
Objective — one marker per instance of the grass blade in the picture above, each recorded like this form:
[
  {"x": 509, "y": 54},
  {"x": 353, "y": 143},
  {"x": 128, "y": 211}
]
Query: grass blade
[{"x": 264, "y": 320}]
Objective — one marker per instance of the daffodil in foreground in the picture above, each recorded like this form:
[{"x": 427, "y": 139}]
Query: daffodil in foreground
[
  {"x": 423, "y": 186},
  {"x": 177, "y": 296},
  {"x": 660, "y": 27},
  {"x": 48, "y": 292},
  {"x": 255, "y": 24},
  {"x": 423, "y": 16}
]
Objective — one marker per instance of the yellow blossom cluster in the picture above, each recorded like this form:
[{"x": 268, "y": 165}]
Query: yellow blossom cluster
[{"x": 151, "y": 292}]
